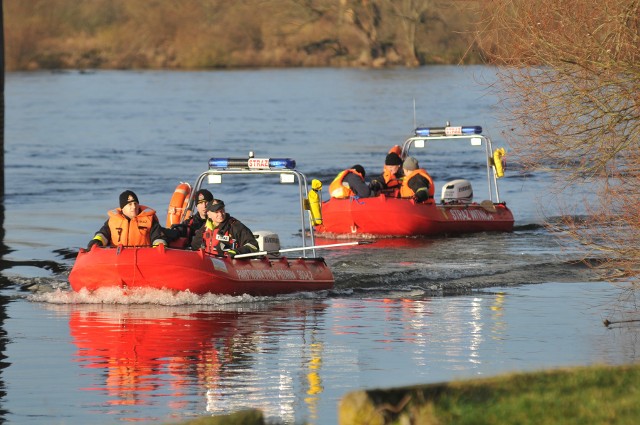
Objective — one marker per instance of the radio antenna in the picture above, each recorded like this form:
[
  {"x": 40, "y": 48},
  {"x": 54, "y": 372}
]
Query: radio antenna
[{"x": 414, "y": 114}]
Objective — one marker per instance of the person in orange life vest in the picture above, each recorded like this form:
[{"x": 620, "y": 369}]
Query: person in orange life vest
[
  {"x": 417, "y": 183},
  {"x": 350, "y": 182},
  {"x": 391, "y": 179},
  {"x": 222, "y": 233},
  {"x": 130, "y": 225},
  {"x": 188, "y": 228}
]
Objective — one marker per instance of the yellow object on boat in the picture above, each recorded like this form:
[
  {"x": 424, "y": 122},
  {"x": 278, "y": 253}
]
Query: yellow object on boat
[
  {"x": 315, "y": 202},
  {"x": 498, "y": 161}
]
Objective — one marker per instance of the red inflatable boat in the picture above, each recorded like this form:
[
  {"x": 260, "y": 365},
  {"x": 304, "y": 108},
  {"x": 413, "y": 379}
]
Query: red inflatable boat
[
  {"x": 262, "y": 273},
  {"x": 456, "y": 213}
]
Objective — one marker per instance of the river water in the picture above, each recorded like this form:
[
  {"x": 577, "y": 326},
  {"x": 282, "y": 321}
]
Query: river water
[{"x": 403, "y": 311}]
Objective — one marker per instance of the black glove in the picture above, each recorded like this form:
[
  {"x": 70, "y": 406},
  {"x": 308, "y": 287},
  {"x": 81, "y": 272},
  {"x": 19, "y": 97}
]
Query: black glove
[
  {"x": 375, "y": 186},
  {"x": 421, "y": 196},
  {"x": 93, "y": 242},
  {"x": 180, "y": 229}
]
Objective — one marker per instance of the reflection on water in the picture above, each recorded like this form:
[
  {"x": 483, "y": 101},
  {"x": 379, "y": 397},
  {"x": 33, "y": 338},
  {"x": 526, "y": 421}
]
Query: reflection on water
[
  {"x": 162, "y": 358},
  {"x": 295, "y": 357},
  {"x": 187, "y": 355}
]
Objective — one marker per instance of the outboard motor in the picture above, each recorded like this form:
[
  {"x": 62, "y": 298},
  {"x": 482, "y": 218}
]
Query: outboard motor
[
  {"x": 268, "y": 241},
  {"x": 457, "y": 192}
]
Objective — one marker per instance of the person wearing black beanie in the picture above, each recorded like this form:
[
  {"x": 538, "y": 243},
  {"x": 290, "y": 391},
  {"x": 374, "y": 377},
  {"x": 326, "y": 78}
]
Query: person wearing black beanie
[
  {"x": 188, "y": 228},
  {"x": 392, "y": 158},
  {"x": 350, "y": 182},
  {"x": 130, "y": 225},
  {"x": 391, "y": 179},
  {"x": 126, "y": 197}
]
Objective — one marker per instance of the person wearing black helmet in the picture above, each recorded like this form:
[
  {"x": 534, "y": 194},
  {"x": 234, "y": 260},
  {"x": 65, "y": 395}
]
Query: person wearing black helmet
[
  {"x": 222, "y": 234},
  {"x": 350, "y": 182}
]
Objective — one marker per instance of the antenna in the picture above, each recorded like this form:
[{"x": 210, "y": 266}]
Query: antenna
[{"x": 414, "y": 113}]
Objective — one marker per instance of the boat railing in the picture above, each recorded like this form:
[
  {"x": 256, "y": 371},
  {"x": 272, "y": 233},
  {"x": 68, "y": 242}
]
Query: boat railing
[
  {"x": 473, "y": 134},
  {"x": 284, "y": 167}
]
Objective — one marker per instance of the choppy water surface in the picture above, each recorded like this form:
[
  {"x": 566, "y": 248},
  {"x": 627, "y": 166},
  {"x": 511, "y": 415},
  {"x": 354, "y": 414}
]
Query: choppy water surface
[{"x": 402, "y": 312}]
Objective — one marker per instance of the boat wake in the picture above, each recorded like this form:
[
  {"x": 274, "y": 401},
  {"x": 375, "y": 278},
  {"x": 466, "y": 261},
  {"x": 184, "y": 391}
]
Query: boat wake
[
  {"x": 459, "y": 264},
  {"x": 402, "y": 266},
  {"x": 151, "y": 296},
  {"x": 357, "y": 277},
  {"x": 452, "y": 279}
]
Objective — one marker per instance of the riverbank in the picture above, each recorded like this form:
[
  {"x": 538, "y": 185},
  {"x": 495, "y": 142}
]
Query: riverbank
[{"x": 209, "y": 34}]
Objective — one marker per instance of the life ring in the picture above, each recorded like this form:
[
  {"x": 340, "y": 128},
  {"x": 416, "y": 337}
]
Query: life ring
[
  {"x": 315, "y": 203},
  {"x": 178, "y": 203},
  {"x": 499, "y": 162}
]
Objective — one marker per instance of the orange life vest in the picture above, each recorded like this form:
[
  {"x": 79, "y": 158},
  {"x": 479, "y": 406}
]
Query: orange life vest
[
  {"x": 134, "y": 232},
  {"x": 390, "y": 179},
  {"x": 337, "y": 189},
  {"x": 407, "y": 192}
]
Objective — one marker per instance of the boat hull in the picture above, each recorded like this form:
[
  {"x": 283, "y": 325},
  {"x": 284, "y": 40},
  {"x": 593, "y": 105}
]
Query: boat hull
[
  {"x": 382, "y": 216},
  {"x": 197, "y": 272}
]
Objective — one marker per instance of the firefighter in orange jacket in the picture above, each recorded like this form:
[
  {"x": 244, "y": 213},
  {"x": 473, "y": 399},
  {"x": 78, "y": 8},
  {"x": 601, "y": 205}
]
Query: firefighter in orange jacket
[
  {"x": 130, "y": 225},
  {"x": 222, "y": 234},
  {"x": 417, "y": 183},
  {"x": 350, "y": 182}
]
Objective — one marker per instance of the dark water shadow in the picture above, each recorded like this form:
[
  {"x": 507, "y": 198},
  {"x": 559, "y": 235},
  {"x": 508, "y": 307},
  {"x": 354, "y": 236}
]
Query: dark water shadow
[{"x": 3, "y": 248}]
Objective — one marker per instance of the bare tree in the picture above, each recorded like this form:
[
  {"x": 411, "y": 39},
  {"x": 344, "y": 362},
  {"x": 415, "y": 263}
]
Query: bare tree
[
  {"x": 413, "y": 14},
  {"x": 366, "y": 16},
  {"x": 570, "y": 81}
]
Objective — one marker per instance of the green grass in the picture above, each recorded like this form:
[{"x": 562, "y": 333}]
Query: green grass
[{"x": 595, "y": 395}]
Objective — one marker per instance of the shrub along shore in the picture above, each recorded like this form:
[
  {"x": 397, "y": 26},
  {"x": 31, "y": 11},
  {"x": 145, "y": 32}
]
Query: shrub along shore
[{"x": 585, "y": 395}]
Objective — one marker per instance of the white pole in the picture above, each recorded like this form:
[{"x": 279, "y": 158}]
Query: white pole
[{"x": 254, "y": 254}]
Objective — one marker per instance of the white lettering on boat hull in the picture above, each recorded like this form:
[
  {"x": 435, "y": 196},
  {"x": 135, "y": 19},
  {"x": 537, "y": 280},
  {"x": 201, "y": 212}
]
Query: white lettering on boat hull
[
  {"x": 470, "y": 215},
  {"x": 275, "y": 275}
]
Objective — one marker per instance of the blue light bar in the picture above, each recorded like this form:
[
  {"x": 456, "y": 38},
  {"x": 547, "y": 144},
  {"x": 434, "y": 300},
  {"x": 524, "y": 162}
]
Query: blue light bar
[
  {"x": 253, "y": 163},
  {"x": 282, "y": 163},
  {"x": 448, "y": 131},
  {"x": 218, "y": 163}
]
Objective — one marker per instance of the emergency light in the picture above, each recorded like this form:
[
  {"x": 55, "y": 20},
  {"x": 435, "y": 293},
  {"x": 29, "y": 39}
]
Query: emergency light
[
  {"x": 448, "y": 131},
  {"x": 253, "y": 163}
]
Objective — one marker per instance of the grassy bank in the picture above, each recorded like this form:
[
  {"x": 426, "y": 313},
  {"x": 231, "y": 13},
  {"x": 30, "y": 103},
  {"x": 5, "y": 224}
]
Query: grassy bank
[{"x": 594, "y": 395}]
